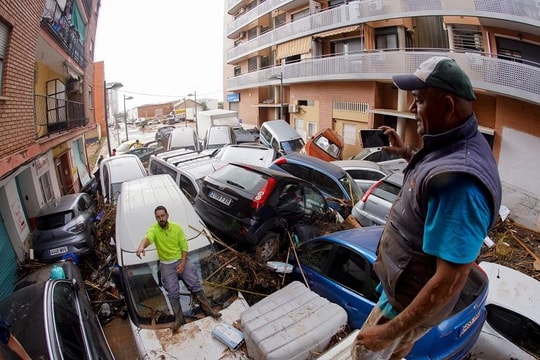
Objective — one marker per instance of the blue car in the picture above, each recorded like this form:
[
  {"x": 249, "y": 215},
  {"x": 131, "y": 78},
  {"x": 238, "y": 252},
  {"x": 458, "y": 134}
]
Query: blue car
[
  {"x": 339, "y": 267},
  {"x": 337, "y": 186}
]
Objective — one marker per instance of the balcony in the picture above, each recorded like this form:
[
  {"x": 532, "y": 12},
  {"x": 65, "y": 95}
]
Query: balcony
[
  {"x": 65, "y": 34},
  {"x": 55, "y": 114},
  {"x": 488, "y": 74},
  {"x": 521, "y": 15}
]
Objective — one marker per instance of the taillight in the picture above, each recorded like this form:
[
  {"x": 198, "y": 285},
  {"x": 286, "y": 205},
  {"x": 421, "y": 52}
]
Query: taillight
[
  {"x": 370, "y": 190},
  {"x": 281, "y": 160},
  {"x": 263, "y": 193}
]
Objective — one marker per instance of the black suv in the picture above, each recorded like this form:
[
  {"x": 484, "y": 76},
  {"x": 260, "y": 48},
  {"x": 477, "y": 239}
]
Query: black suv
[{"x": 257, "y": 206}]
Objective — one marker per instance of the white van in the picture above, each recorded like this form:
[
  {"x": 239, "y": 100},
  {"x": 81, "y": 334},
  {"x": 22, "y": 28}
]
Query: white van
[
  {"x": 280, "y": 136},
  {"x": 114, "y": 170},
  {"x": 184, "y": 138},
  {"x": 150, "y": 313}
]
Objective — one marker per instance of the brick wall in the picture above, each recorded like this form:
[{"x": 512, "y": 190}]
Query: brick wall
[{"x": 16, "y": 104}]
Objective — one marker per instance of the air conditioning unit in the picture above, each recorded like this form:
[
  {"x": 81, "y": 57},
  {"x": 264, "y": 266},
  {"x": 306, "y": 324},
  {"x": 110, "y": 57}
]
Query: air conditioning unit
[
  {"x": 74, "y": 87},
  {"x": 375, "y": 5},
  {"x": 293, "y": 108},
  {"x": 241, "y": 34}
]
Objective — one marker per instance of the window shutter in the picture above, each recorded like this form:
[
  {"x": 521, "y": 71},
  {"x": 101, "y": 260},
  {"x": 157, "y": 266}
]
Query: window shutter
[{"x": 4, "y": 35}]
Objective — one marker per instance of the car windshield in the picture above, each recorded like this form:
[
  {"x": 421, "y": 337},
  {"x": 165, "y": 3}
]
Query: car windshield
[
  {"x": 352, "y": 187},
  {"x": 53, "y": 221},
  {"x": 293, "y": 145}
]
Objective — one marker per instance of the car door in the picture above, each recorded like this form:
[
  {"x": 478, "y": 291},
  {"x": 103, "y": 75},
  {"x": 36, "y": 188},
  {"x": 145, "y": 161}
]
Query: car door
[{"x": 342, "y": 276}]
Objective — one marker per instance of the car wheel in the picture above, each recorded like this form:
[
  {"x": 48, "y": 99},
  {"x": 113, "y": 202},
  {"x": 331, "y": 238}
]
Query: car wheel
[{"x": 268, "y": 247}]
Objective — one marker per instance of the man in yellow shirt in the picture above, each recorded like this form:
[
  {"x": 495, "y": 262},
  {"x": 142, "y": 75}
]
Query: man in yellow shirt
[{"x": 172, "y": 249}]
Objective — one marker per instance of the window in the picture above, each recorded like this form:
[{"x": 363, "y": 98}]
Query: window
[
  {"x": 188, "y": 188},
  {"x": 386, "y": 38},
  {"x": 300, "y": 14},
  {"x": 279, "y": 20},
  {"x": 45, "y": 185},
  {"x": 4, "y": 36},
  {"x": 315, "y": 254},
  {"x": 350, "y": 46},
  {"x": 237, "y": 71},
  {"x": 252, "y": 64},
  {"x": 66, "y": 320},
  {"x": 311, "y": 129},
  {"x": 354, "y": 272},
  {"x": 517, "y": 328}
]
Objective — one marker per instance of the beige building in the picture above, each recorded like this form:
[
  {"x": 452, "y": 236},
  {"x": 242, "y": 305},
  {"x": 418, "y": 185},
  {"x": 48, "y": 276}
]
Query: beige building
[{"x": 324, "y": 64}]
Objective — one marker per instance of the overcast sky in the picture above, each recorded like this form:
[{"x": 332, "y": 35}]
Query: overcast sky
[{"x": 162, "y": 50}]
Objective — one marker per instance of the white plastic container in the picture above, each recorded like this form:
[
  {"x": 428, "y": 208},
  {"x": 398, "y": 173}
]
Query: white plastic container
[{"x": 291, "y": 324}]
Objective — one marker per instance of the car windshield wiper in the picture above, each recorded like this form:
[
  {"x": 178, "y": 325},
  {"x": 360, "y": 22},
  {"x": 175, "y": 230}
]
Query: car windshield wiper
[{"x": 235, "y": 184}]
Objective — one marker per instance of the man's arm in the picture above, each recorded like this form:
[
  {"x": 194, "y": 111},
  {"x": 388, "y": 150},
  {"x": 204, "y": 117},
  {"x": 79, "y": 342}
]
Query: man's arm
[
  {"x": 140, "y": 250},
  {"x": 448, "y": 279}
]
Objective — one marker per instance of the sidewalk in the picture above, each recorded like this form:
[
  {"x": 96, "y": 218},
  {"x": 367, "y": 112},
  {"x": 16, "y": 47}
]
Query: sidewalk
[{"x": 94, "y": 150}]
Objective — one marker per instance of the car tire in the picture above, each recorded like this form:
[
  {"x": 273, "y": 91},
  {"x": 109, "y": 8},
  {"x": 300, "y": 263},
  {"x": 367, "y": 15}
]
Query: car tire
[{"x": 268, "y": 247}]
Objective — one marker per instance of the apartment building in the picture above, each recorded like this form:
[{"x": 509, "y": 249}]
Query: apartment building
[
  {"x": 319, "y": 64},
  {"x": 46, "y": 94}
]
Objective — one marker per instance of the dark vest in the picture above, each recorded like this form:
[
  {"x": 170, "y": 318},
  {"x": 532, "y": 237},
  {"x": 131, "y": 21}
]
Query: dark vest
[{"x": 401, "y": 265}]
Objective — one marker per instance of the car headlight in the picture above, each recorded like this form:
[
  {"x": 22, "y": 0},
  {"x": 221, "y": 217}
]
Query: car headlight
[{"x": 77, "y": 228}]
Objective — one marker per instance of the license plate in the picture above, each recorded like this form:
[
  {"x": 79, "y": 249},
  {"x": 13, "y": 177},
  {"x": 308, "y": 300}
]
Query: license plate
[
  {"x": 58, "y": 251},
  {"x": 222, "y": 199}
]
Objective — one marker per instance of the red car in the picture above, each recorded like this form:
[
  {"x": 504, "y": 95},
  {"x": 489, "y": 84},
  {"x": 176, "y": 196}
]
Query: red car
[{"x": 327, "y": 145}]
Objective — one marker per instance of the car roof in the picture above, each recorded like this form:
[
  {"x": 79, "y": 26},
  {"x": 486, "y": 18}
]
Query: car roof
[
  {"x": 353, "y": 164},
  {"x": 201, "y": 168},
  {"x": 315, "y": 163},
  {"x": 363, "y": 239},
  {"x": 248, "y": 153},
  {"x": 63, "y": 203},
  {"x": 282, "y": 130},
  {"x": 267, "y": 171}
]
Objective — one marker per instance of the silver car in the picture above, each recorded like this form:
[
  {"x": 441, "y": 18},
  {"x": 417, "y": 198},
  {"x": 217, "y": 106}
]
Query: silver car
[
  {"x": 365, "y": 173},
  {"x": 387, "y": 160},
  {"x": 64, "y": 226},
  {"x": 374, "y": 207}
]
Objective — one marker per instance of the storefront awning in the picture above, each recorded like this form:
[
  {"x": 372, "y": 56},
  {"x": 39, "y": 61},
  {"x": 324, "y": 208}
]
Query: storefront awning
[
  {"x": 295, "y": 47},
  {"x": 339, "y": 31}
]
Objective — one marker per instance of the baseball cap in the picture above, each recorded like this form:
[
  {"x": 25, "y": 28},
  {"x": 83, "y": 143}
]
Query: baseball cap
[{"x": 439, "y": 72}]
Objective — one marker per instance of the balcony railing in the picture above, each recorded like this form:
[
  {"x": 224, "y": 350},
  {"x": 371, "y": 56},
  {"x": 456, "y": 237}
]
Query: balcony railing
[
  {"x": 55, "y": 114},
  {"x": 498, "y": 76},
  {"x": 523, "y": 12},
  {"x": 65, "y": 34}
]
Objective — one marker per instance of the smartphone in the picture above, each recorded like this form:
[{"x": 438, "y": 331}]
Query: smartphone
[{"x": 373, "y": 138}]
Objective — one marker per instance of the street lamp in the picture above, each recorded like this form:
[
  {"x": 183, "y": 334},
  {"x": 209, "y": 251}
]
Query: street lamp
[
  {"x": 125, "y": 114},
  {"x": 106, "y": 88},
  {"x": 280, "y": 77},
  {"x": 195, "y": 112}
]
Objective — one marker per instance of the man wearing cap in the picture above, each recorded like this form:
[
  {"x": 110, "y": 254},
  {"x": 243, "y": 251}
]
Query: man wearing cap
[{"x": 449, "y": 201}]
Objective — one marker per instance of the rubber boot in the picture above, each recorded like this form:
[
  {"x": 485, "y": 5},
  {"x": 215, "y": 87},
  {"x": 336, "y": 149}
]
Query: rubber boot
[
  {"x": 178, "y": 314},
  {"x": 205, "y": 304}
]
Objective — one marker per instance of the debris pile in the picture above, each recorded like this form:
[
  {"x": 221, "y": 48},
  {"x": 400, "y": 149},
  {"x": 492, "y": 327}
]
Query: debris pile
[{"x": 515, "y": 247}]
